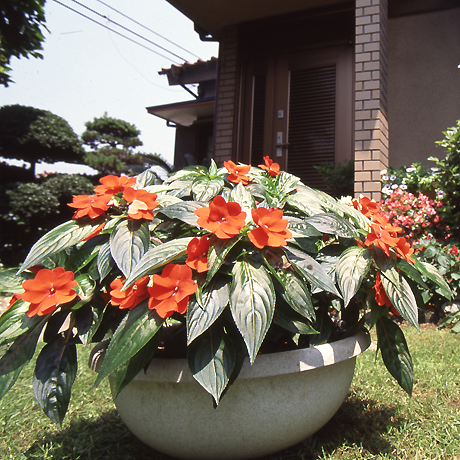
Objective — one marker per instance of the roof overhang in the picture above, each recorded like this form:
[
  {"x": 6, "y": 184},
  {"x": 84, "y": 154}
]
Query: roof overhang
[
  {"x": 187, "y": 73},
  {"x": 185, "y": 113},
  {"x": 214, "y": 15}
]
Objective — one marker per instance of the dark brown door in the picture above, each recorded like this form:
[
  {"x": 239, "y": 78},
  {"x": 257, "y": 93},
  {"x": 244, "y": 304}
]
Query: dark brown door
[{"x": 298, "y": 110}]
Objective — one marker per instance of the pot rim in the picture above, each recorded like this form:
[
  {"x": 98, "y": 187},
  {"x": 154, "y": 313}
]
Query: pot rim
[{"x": 266, "y": 365}]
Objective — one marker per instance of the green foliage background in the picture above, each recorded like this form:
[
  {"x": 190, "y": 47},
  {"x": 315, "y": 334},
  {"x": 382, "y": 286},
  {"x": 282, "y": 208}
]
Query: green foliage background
[
  {"x": 21, "y": 35},
  {"x": 28, "y": 210}
]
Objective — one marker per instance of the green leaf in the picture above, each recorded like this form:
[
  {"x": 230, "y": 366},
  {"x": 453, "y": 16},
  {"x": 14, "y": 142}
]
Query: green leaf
[
  {"x": 285, "y": 183},
  {"x": 293, "y": 322},
  {"x": 211, "y": 360},
  {"x": 324, "y": 325},
  {"x": 301, "y": 227},
  {"x": 295, "y": 293},
  {"x": 84, "y": 289},
  {"x": 10, "y": 282},
  {"x": 395, "y": 353},
  {"x": 167, "y": 201},
  {"x": 432, "y": 273},
  {"x": 333, "y": 224},
  {"x": 158, "y": 256},
  {"x": 180, "y": 188},
  {"x": 212, "y": 168},
  {"x": 218, "y": 250},
  {"x": 353, "y": 265},
  {"x": 7, "y": 381},
  {"x": 183, "y": 211},
  {"x": 308, "y": 203},
  {"x": 252, "y": 303},
  {"x": 105, "y": 261},
  {"x": 209, "y": 304},
  {"x": 20, "y": 352},
  {"x": 189, "y": 172},
  {"x": 311, "y": 270},
  {"x": 145, "y": 179},
  {"x": 205, "y": 188},
  {"x": 128, "y": 370},
  {"x": 133, "y": 333},
  {"x": 93, "y": 318},
  {"x": 355, "y": 216},
  {"x": 61, "y": 237},
  {"x": 412, "y": 272},
  {"x": 81, "y": 258},
  {"x": 128, "y": 243},
  {"x": 14, "y": 321},
  {"x": 244, "y": 198},
  {"x": 400, "y": 294},
  {"x": 55, "y": 372}
]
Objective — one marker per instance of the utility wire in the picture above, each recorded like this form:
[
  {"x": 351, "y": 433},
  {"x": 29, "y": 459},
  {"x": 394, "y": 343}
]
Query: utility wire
[
  {"x": 128, "y": 30},
  {"x": 115, "y": 31},
  {"x": 138, "y": 71},
  {"x": 147, "y": 28}
]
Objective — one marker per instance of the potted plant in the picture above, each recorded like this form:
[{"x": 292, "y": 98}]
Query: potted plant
[{"x": 217, "y": 266}]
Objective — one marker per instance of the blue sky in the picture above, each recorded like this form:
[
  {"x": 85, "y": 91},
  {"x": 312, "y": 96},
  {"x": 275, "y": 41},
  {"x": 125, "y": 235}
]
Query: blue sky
[{"x": 88, "y": 70}]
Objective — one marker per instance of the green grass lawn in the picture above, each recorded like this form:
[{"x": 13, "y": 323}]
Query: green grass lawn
[{"x": 376, "y": 421}]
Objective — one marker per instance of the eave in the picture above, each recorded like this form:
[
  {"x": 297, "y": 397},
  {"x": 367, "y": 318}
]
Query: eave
[
  {"x": 213, "y": 16},
  {"x": 185, "y": 113}
]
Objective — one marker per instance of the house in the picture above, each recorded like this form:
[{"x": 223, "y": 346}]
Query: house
[
  {"x": 193, "y": 120},
  {"x": 307, "y": 81}
]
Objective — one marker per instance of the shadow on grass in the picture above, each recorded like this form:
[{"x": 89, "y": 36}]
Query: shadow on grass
[
  {"x": 102, "y": 438},
  {"x": 358, "y": 423}
]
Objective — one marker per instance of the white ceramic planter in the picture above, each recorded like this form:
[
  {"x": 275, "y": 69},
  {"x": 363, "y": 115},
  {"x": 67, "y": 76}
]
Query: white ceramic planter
[{"x": 280, "y": 400}]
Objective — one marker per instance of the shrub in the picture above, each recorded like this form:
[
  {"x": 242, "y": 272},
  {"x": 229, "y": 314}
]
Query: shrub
[
  {"x": 338, "y": 178},
  {"x": 446, "y": 177},
  {"x": 31, "y": 209},
  {"x": 446, "y": 259},
  {"x": 415, "y": 214},
  {"x": 441, "y": 182}
]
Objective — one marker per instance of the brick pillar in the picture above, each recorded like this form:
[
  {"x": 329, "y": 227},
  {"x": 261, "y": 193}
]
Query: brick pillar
[
  {"x": 225, "y": 124},
  {"x": 371, "y": 123}
]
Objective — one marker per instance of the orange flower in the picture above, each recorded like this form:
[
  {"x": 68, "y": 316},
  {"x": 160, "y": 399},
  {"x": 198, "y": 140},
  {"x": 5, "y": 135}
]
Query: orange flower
[
  {"x": 171, "y": 290},
  {"x": 272, "y": 168},
  {"x": 135, "y": 294},
  {"x": 383, "y": 222},
  {"x": 14, "y": 298},
  {"x": 114, "y": 184},
  {"x": 197, "y": 252},
  {"x": 380, "y": 238},
  {"x": 48, "y": 290},
  {"x": 404, "y": 249},
  {"x": 367, "y": 207},
  {"x": 90, "y": 205},
  {"x": 237, "y": 173},
  {"x": 271, "y": 228},
  {"x": 223, "y": 219},
  {"x": 380, "y": 295},
  {"x": 142, "y": 203}
]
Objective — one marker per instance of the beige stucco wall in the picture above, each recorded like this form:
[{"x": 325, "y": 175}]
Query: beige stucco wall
[{"x": 424, "y": 83}]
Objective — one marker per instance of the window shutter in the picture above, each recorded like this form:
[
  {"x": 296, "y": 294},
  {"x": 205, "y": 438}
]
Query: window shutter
[{"x": 312, "y": 107}]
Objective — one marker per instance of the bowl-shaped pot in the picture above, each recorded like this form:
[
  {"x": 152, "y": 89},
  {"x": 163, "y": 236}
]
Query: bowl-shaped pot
[{"x": 280, "y": 400}]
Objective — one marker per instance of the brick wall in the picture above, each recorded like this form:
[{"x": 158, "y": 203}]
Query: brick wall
[
  {"x": 225, "y": 125},
  {"x": 371, "y": 125}
]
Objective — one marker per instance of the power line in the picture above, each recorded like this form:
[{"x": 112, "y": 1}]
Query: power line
[
  {"x": 128, "y": 30},
  {"x": 114, "y": 31},
  {"x": 147, "y": 28},
  {"x": 138, "y": 71}
]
